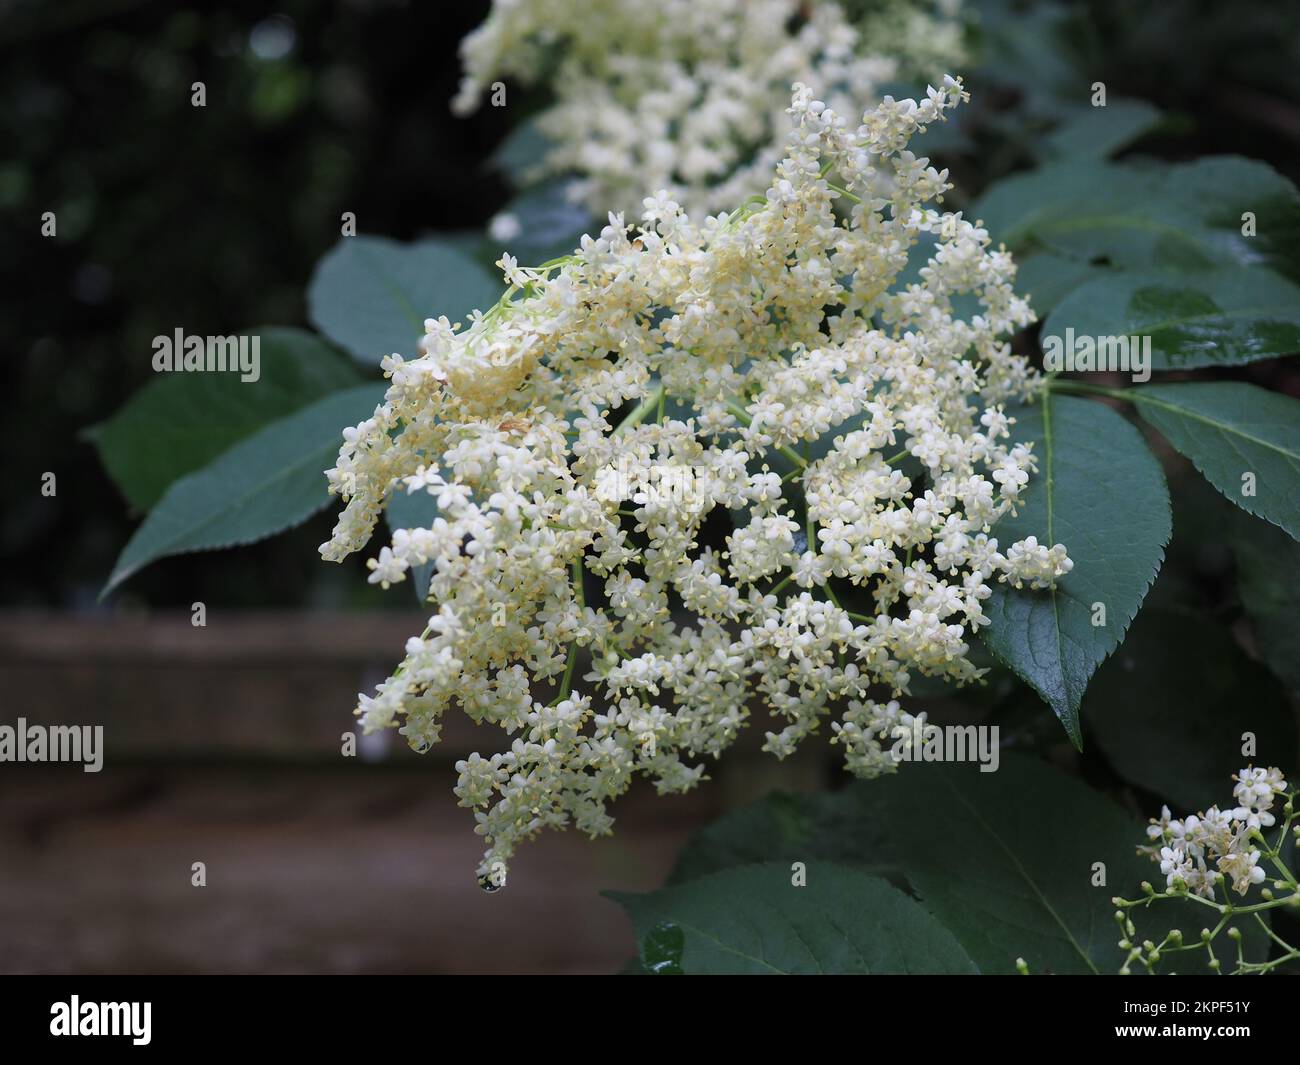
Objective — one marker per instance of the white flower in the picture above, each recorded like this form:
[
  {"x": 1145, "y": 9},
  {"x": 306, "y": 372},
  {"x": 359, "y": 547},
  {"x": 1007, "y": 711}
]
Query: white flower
[
  {"x": 683, "y": 100},
  {"x": 1174, "y": 864},
  {"x": 581, "y": 610},
  {"x": 388, "y": 568},
  {"x": 1185, "y": 848}
]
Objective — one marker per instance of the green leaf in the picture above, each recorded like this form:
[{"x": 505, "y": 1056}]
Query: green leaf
[
  {"x": 1046, "y": 279},
  {"x": 1171, "y": 706},
  {"x": 661, "y": 954},
  {"x": 1153, "y": 217},
  {"x": 1013, "y": 875},
  {"x": 1101, "y": 493},
  {"x": 1007, "y": 863},
  {"x": 1229, "y": 430},
  {"x": 263, "y": 485},
  {"x": 843, "y": 827},
  {"x": 371, "y": 295},
  {"x": 182, "y": 421},
  {"x": 1268, "y": 577},
  {"x": 1009, "y": 877},
  {"x": 1099, "y": 132},
  {"x": 1218, "y": 318},
  {"x": 752, "y": 920}
]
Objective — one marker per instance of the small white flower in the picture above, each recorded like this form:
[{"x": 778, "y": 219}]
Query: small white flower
[{"x": 1186, "y": 848}]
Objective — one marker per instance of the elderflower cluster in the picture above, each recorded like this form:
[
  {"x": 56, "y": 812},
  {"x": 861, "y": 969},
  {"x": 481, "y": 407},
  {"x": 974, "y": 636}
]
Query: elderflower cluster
[
  {"x": 688, "y": 95},
  {"x": 849, "y": 449},
  {"x": 1216, "y": 845}
]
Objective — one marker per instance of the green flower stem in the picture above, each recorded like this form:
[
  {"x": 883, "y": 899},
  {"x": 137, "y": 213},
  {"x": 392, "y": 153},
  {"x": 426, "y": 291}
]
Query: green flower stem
[
  {"x": 1228, "y": 909},
  {"x": 640, "y": 412},
  {"x": 507, "y": 297},
  {"x": 566, "y": 683},
  {"x": 746, "y": 420},
  {"x": 776, "y": 589},
  {"x": 1056, "y": 384},
  {"x": 1275, "y": 937}
]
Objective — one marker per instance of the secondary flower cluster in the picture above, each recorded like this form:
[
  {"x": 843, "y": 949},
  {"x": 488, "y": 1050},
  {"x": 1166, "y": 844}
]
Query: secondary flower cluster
[
  {"x": 1206, "y": 848},
  {"x": 688, "y": 95},
  {"x": 806, "y": 361}
]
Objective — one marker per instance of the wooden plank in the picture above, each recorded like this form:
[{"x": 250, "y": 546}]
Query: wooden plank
[{"x": 347, "y": 870}]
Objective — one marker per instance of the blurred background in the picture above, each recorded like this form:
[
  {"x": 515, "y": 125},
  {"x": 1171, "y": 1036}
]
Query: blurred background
[{"x": 223, "y": 741}]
